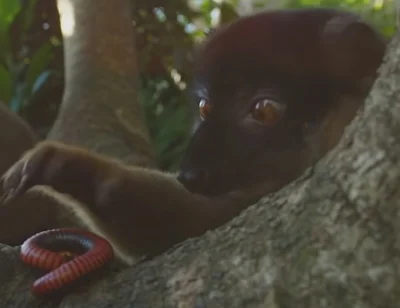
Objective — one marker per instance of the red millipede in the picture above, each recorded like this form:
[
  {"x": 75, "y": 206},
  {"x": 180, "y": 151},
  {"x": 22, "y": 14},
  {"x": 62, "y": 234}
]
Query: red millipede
[{"x": 68, "y": 253}]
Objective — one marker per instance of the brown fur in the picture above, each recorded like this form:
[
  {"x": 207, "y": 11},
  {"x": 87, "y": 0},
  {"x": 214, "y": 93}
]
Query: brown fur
[{"x": 305, "y": 42}]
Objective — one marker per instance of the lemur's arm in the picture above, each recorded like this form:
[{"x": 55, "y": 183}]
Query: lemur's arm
[{"x": 148, "y": 208}]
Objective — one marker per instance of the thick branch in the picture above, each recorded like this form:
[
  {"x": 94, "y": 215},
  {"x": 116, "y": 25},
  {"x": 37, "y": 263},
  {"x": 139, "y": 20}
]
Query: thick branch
[{"x": 100, "y": 108}]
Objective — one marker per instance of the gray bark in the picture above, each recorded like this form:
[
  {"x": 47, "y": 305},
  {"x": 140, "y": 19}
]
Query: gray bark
[
  {"x": 330, "y": 239},
  {"x": 100, "y": 108}
]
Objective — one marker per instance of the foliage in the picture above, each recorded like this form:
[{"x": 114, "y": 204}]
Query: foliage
[
  {"x": 21, "y": 75},
  {"x": 379, "y": 13},
  {"x": 31, "y": 62}
]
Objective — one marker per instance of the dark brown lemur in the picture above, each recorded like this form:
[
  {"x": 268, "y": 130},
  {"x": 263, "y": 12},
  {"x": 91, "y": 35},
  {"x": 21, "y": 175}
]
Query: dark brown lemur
[
  {"x": 19, "y": 219},
  {"x": 275, "y": 93},
  {"x": 16, "y": 137}
]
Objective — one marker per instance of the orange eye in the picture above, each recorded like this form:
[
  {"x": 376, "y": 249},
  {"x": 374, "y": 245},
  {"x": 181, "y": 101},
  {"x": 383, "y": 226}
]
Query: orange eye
[
  {"x": 204, "y": 108},
  {"x": 268, "y": 112}
]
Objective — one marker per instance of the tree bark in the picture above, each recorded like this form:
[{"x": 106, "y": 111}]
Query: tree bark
[
  {"x": 329, "y": 239},
  {"x": 100, "y": 108}
]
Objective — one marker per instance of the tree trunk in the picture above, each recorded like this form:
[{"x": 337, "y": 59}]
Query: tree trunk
[
  {"x": 329, "y": 239},
  {"x": 100, "y": 108}
]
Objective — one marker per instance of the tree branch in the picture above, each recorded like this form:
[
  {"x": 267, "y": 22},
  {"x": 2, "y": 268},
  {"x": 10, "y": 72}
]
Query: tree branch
[{"x": 100, "y": 108}]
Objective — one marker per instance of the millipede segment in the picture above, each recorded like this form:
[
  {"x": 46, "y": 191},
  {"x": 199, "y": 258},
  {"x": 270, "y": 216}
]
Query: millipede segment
[{"x": 69, "y": 254}]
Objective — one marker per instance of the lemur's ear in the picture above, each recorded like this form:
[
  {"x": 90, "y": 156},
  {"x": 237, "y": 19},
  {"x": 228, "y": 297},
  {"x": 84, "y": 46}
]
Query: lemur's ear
[{"x": 353, "y": 48}]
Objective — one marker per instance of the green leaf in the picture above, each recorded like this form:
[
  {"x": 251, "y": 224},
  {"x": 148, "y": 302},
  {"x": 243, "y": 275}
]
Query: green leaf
[
  {"x": 40, "y": 81},
  {"x": 38, "y": 64},
  {"x": 6, "y": 84},
  {"x": 29, "y": 14},
  {"x": 228, "y": 13},
  {"x": 8, "y": 10},
  {"x": 17, "y": 100}
]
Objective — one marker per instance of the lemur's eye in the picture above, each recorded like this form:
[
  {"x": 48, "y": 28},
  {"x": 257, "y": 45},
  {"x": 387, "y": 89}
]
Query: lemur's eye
[
  {"x": 268, "y": 112},
  {"x": 204, "y": 108}
]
